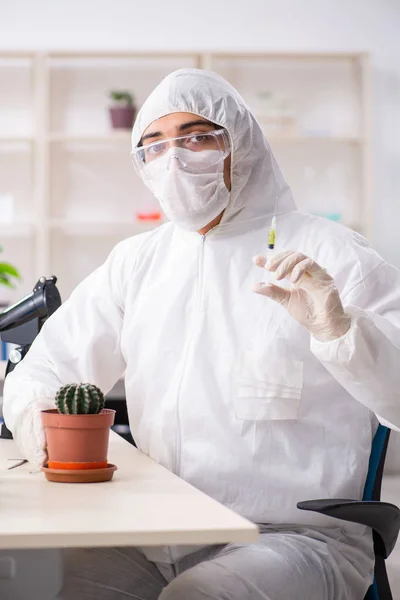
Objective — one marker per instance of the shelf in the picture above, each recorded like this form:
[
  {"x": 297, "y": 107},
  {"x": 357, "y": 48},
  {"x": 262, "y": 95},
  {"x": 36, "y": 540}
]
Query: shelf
[
  {"x": 103, "y": 228},
  {"x": 65, "y": 165},
  {"x": 313, "y": 139},
  {"x": 118, "y": 136},
  {"x": 117, "y": 54},
  {"x": 126, "y": 136},
  {"x": 16, "y": 230},
  {"x": 286, "y": 56},
  {"x": 8, "y": 139},
  {"x": 10, "y": 54}
]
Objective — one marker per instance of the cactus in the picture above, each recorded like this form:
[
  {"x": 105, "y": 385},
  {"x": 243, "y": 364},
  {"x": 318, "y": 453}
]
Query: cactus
[{"x": 79, "y": 399}]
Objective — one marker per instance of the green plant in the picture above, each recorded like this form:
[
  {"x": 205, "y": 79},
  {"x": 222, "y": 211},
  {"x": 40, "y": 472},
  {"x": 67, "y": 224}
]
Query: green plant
[
  {"x": 124, "y": 98},
  {"x": 79, "y": 399},
  {"x": 8, "y": 273}
]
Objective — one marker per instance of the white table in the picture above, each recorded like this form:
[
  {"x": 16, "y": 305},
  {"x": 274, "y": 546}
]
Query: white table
[{"x": 144, "y": 505}]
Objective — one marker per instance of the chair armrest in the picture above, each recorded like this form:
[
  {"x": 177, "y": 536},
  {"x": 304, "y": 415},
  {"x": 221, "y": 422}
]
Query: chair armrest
[{"x": 382, "y": 517}]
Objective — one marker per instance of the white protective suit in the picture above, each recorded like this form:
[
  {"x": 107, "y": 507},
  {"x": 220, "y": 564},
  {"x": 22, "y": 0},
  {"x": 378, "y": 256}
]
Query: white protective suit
[{"x": 223, "y": 387}]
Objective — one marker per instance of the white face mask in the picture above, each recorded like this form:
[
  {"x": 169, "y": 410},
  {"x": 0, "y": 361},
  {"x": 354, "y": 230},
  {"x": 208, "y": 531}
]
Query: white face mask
[{"x": 190, "y": 198}]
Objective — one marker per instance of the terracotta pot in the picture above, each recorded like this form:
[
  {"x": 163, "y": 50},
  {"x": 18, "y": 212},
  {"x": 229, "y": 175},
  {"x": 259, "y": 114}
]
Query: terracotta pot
[
  {"x": 74, "y": 441},
  {"x": 122, "y": 117}
]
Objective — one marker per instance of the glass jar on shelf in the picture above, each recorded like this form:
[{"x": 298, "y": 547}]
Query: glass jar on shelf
[{"x": 327, "y": 193}]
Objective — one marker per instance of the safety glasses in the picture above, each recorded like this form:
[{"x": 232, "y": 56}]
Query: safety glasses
[{"x": 202, "y": 151}]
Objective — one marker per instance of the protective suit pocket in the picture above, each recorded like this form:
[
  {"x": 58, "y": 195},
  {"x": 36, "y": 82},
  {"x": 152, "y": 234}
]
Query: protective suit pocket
[{"x": 268, "y": 389}]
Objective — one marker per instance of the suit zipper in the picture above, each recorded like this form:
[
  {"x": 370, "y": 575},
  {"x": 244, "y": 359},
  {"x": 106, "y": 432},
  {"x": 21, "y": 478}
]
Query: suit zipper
[{"x": 177, "y": 461}]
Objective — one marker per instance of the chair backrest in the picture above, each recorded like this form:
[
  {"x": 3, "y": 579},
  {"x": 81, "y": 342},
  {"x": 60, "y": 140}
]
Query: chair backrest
[
  {"x": 380, "y": 589},
  {"x": 373, "y": 484}
]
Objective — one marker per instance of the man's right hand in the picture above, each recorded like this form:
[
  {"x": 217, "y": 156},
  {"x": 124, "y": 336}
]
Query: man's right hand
[{"x": 29, "y": 433}]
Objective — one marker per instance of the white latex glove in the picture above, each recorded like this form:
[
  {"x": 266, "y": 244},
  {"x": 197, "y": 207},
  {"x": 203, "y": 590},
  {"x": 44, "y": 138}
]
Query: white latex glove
[
  {"x": 313, "y": 299},
  {"x": 29, "y": 433}
]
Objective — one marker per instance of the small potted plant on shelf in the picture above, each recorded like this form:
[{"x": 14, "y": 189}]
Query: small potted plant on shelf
[
  {"x": 123, "y": 112},
  {"x": 77, "y": 434},
  {"x": 8, "y": 275}
]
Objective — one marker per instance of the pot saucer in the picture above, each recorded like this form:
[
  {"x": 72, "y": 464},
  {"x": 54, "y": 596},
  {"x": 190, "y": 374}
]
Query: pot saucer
[{"x": 79, "y": 476}]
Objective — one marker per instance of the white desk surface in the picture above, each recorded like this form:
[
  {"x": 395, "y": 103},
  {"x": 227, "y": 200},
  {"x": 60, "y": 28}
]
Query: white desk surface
[{"x": 144, "y": 505}]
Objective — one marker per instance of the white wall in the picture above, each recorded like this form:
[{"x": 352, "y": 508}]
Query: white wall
[{"x": 370, "y": 25}]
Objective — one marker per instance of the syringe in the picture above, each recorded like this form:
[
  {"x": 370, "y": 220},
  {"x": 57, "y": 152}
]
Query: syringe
[
  {"x": 270, "y": 276},
  {"x": 272, "y": 234}
]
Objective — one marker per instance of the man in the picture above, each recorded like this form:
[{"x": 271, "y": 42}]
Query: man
[{"x": 259, "y": 399}]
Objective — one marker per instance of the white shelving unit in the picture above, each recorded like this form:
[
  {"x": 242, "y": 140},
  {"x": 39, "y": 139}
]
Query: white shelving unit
[{"x": 75, "y": 192}]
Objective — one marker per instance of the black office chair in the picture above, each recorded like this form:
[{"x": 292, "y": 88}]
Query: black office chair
[{"x": 382, "y": 517}]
